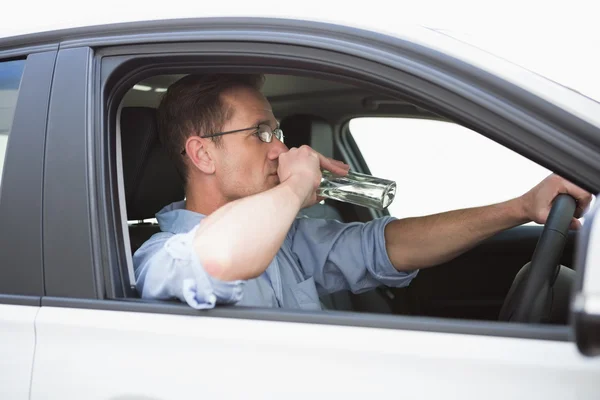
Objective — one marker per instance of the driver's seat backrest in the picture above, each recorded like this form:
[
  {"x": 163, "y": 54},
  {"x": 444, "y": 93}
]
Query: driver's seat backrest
[{"x": 151, "y": 180}]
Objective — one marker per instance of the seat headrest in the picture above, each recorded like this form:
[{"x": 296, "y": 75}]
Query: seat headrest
[
  {"x": 151, "y": 180},
  {"x": 300, "y": 129},
  {"x": 297, "y": 129}
]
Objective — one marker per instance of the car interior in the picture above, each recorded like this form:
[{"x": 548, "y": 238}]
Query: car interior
[{"x": 316, "y": 112}]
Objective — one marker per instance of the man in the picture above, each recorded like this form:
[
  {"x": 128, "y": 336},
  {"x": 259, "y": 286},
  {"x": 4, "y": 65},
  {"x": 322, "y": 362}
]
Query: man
[{"x": 236, "y": 239}]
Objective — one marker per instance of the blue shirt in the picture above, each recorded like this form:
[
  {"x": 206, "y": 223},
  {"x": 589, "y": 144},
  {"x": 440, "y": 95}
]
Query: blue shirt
[{"x": 317, "y": 257}]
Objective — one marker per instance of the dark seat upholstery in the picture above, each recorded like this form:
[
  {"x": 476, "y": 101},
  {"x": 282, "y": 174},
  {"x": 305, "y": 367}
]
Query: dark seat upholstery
[{"x": 151, "y": 180}]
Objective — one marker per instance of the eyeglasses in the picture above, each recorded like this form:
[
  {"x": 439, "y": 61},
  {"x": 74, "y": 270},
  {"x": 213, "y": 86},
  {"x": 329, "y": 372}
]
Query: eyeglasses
[{"x": 263, "y": 131}]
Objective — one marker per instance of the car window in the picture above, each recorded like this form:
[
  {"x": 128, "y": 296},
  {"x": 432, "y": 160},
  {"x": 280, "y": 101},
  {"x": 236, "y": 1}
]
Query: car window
[
  {"x": 440, "y": 166},
  {"x": 10, "y": 78},
  {"x": 435, "y": 292}
]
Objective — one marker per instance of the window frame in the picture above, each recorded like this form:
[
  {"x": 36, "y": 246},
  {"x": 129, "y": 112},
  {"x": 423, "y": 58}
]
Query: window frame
[
  {"x": 481, "y": 101},
  {"x": 21, "y": 250}
]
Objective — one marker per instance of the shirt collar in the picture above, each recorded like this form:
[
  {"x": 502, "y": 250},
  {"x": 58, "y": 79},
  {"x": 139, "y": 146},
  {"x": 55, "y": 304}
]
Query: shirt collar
[{"x": 175, "y": 218}]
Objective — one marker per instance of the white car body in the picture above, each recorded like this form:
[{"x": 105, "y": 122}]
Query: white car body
[{"x": 52, "y": 352}]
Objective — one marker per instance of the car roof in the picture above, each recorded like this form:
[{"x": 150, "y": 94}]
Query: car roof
[{"x": 135, "y": 14}]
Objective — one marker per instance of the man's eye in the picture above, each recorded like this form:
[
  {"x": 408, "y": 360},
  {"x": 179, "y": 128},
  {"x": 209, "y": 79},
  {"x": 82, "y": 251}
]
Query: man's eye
[{"x": 263, "y": 135}]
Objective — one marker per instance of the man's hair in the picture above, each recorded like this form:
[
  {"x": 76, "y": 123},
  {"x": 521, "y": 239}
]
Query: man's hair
[{"x": 193, "y": 106}]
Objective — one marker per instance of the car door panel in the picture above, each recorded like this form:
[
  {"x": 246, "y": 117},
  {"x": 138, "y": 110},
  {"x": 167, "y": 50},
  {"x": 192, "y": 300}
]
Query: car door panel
[
  {"x": 17, "y": 344},
  {"x": 102, "y": 354}
]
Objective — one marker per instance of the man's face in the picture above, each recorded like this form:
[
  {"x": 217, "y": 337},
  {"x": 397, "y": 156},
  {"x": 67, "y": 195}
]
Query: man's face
[{"x": 245, "y": 165}]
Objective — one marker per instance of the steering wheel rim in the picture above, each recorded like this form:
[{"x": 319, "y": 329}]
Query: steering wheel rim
[{"x": 537, "y": 281}]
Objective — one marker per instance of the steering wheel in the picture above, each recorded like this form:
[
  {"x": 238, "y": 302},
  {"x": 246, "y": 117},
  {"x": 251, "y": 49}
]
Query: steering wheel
[{"x": 531, "y": 294}]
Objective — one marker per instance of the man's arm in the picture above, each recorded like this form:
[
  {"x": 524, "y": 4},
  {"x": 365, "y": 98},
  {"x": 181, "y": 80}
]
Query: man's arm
[
  {"x": 239, "y": 240},
  {"x": 414, "y": 243}
]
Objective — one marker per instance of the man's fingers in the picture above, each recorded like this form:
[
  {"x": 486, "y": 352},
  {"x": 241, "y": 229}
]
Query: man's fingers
[
  {"x": 334, "y": 166},
  {"x": 583, "y": 204},
  {"x": 575, "y": 224},
  {"x": 330, "y": 162},
  {"x": 579, "y": 211},
  {"x": 341, "y": 163},
  {"x": 583, "y": 198}
]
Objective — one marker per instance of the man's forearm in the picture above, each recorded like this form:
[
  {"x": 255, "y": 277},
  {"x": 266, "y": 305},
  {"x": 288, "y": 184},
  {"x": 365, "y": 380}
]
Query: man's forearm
[
  {"x": 422, "y": 242},
  {"x": 239, "y": 240}
]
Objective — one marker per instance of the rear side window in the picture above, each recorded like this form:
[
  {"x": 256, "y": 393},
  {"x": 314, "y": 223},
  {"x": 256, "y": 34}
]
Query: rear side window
[
  {"x": 10, "y": 79},
  {"x": 441, "y": 166}
]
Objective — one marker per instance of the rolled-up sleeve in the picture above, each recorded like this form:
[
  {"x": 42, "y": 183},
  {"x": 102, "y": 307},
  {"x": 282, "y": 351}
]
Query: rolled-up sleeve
[
  {"x": 167, "y": 267},
  {"x": 345, "y": 256}
]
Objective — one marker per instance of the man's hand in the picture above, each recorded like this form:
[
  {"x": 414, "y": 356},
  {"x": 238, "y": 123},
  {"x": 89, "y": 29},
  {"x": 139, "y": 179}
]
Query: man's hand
[
  {"x": 230, "y": 250},
  {"x": 538, "y": 201},
  {"x": 300, "y": 169}
]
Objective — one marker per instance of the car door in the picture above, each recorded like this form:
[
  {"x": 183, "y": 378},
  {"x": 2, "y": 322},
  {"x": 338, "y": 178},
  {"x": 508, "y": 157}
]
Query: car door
[
  {"x": 25, "y": 76},
  {"x": 171, "y": 353},
  {"x": 95, "y": 339}
]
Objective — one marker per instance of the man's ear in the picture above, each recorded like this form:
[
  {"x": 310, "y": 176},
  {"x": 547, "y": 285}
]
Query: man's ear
[{"x": 197, "y": 151}]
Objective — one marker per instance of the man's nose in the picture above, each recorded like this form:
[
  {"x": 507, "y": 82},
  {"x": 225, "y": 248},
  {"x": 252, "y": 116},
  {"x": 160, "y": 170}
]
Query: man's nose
[{"x": 277, "y": 147}]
